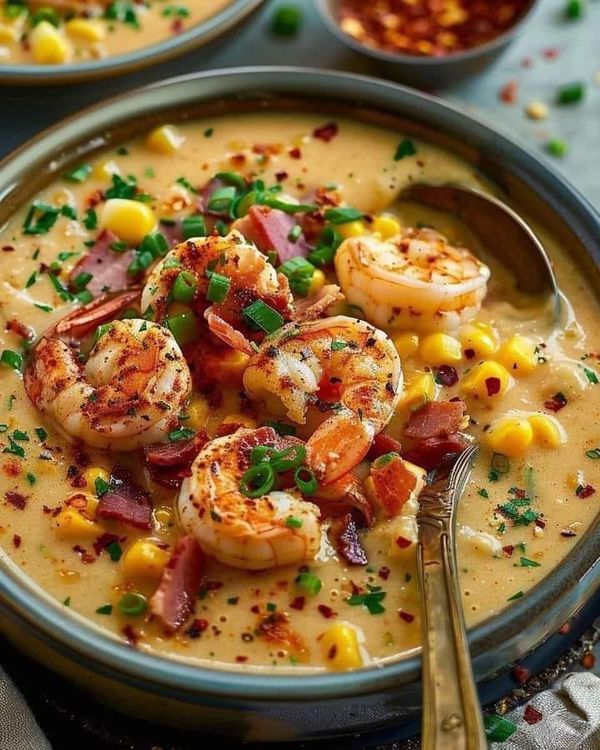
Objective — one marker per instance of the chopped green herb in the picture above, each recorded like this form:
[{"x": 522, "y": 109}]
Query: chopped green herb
[
  {"x": 594, "y": 453},
  {"x": 21, "y": 436},
  {"x": 114, "y": 550},
  {"x": 122, "y": 11},
  {"x": 186, "y": 184},
  {"x": 105, "y": 609},
  {"x": 371, "y": 599},
  {"x": 295, "y": 233},
  {"x": 493, "y": 476},
  {"x": 385, "y": 459},
  {"x": 293, "y": 523},
  {"x": 337, "y": 346},
  {"x": 43, "y": 307},
  {"x": 309, "y": 582},
  {"x": 183, "y": 433},
  {"x": 281, "y": 428},
  {"x": 31, "y": 478},
  {"x": 11, "y": 359},
  {"x": 342, "y": 215},
  {"x": 498, "y": 728},
  {"x": 208, "y": 132},
  {"x": 175, "y": 11},
  {"x": 557, "y": 147},
  {"x": 67, "y": 601},
  {"x": 512, "y": 598},
  {"x": 193, "y": 226},
  {"x": 591, "y": 376},
  {"x": 45, "y": 14},
  {"x": 571, "y": 93},
  {"x": 31, "y": 280},
  {"x": 299, "y": 272},
  {"x": 524, "y": 562},
  {"x": 483, "y": 493},
  {"x": 14, "y": 448},
  {"x": 405, "y": 148},
  {"x": 233, "y": 600},
  {"x": 90, "y": 220},
  {"x": 286, "y": 20},
  {"x": 101, "y": 486},
  {"x": 271, "y": 607},
  {"x": 574, "y": 9},
  {"x": 40, "y": 218},
  {"x": 79, "y": 174}
]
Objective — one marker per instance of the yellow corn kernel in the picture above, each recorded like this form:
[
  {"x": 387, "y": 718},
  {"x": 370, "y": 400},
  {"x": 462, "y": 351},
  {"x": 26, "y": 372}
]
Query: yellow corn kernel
[
  {"x": 479, "y": 337},
  {"x": 9, "y": 33},
  {"x": 547, "y": 431},
  {"x": 440, "y": 349},
  {"x": 387, "y": 226},
  {"x": 406, "y": 344},
  {"x": 481, "y": 380},
  {"x": 93, "y": 473},
  {"x": 48, "y": 45},
  {"x": 518, "y": 355},
  {"x": 130, "y": 220},
  {"x": 82, "y": 28},
  {"x": 420, "y": 389},
  {"x": 352, "y": 229},
  {"x": 510, "y": 435},
  {"x": 198, "y": 412},
  {"x": 243, "y": 419},
  {"x": 340, "y": 647},
  {"x": 144, "y": 560},
  {"x": 317, "y": 282},
  {"x": 70, "y": 524},
  {"x": 165, "y": 139},
  {"x": 106, "y": 169}
]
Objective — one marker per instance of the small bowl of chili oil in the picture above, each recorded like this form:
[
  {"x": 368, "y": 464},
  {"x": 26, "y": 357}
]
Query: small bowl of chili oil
[{"x": 427, "y": 43}]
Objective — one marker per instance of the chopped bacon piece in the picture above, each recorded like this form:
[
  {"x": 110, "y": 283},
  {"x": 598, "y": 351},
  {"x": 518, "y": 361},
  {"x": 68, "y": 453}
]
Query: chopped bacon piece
[
  {"x": 393, "y": 484},
  {"x": 326, "y": 132},
  {"x": 586, "y": 491},
  {"x": 126, "y": 501},
  {"x": 275, "y": 628},
  {"x": 103, "y": 541},
  {"x": 177, "y": 453},
  {"x": 508, "y": 550},
  {"x": 435, "y": 419},
  {"x": 343, "y": 533},
  {"x": 20, "y": 329},
  {"x": 269, "y": 229},
  {"x": 298, "y": 602},
  {"x": 509, "y": 93},
  {"x": 315, "y": 306},
  {"x": 17, "y": 541},
  {"x": 406, "y": 616},
  {"x": 383, "y": 444},
  {"x": 326, "y": 611},
  {"x": 556, "y": 402},
  {"x": 16, "y": 498},
  {"x": 108, "y": 268},
  {"x": 173, "y": 600},
  {"x": 403, "y": 542},
  {"x": 431, "y": 453},
  {"x": 531, "y": 715}
]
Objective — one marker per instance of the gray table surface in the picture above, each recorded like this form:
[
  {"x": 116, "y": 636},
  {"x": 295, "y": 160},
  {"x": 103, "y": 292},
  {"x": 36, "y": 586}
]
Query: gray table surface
[{"x": 25, "y": 111}]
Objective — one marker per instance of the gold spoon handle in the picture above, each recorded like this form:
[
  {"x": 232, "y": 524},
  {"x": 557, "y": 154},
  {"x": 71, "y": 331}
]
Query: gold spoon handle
[{"x": 451, "y": 713}]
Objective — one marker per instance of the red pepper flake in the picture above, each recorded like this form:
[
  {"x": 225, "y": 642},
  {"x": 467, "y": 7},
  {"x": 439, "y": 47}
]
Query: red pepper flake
[
  {"x": 509, "y": 93},
  {"x": 326, "y": 132},
  {"x": 130, "y": 635},
  {"x": 586, "y": 491},
  {"x": 521, "y": 674},
  {"x": 384, "y": 572},
  {"x": 86, "y": 557},
  {"x": 17, "y": 541},
  {"x": 532, "y": 715},
  {"x": 446, "y": 375},
  {"x": 281, "y": 176},
  {"x": 298, "y": 602},
  {"x": 469, "y": 353},
  {"x": 12, "y": 468},
  {"x": 8, "y": 249},
  {"x": 255, "y": 608},
  {"x": 508, "y": 550},
  {"x": 527, "y": 62},
  {"x": 295, "y": 153},
  {"x": 177, "y": 26},
  {"x": 326, "y": 611},
  {"x": 16, "y": 498},
  {"x": 79, "y": 481},
  {"x": 95, "y": 198},
  {"x": 406, "y": 616},
  {"x": 241, "y": 659},
  {"x": 403, "y": 542},
  {"x": 565, "y": 628},
  {"x": 556, "y": 403},
  {"x": 198, "y": 626},
  {"x": 588, "y": 660},
  {"x": 103, "y": 541},
  {"x": 492, "y": 386},
  {"x": 551, "y": 53},
  {"x": 540, "y": 523}
]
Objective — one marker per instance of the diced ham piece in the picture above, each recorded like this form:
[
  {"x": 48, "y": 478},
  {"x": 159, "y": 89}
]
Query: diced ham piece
[
  {"x": 313, "y": 307},
  {"x": 125, "y": 501},
  {"x": 343, "y": 534},
  {"x": 173, "y": 600},
  {"x": 269, "y": 229},
  {"x": 435, "y": 419},
  {"x": 393, "y": 483},
  {"x": 108, "y": 268},
  {"x": 431, "y": 453}
]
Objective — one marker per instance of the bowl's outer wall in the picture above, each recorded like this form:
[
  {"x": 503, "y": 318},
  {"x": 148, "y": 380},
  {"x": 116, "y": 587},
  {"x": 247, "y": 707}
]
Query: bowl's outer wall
[{"x": 269, "y": 707}]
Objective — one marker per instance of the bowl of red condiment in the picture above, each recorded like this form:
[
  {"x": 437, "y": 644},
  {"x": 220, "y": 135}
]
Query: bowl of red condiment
[{"x": 427, "y": 43}]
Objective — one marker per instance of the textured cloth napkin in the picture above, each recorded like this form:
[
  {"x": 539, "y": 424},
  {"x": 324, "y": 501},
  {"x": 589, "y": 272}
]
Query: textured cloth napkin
[{"x": 18, "y": 728}]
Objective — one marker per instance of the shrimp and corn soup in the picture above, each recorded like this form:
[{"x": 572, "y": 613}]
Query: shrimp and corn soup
[
  {"x": 55, "y": 32},
  {"x": 232, "y": 358}
]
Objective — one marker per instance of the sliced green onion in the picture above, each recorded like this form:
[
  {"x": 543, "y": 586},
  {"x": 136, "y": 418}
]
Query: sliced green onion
[
  {"x": 557, "y": 147},
  {"x": 524, "y": 562},
  {"x": 11, "y": 359},
  {"x": 79, "y": 174},
  {"x": 84, "y": 297},
  {"x": 300, "y": 272},
  {"x": 594, "y": 453},
  {"x": 261, "y": 316},
  {"x": 405, "y": 148},
  {"x": 324, "y": 253},
  {"x": 193, "y": 226},
  {"x": 381, "y": 461},
  {"x": 82, "y": 280},
  {"x": 221, "y": 199},
  {"x": 295, "y": 233},
  {"x": 498, "y": 728},
  {"x": 184, "y": 327},
  {"x": 243, "y": 202},
  {"x": 91, "y": 219},
  {"x": 260, "y": 453},
  {"x": 289, "y": 458},
  {"x": 133, "y": 604},
  {"x": 155, "y": 244},
  {"x": 40, "y": 218},
  {"x": 342, "y": 215},
  {"x": 232, "y": 178},
  {"x": 514, "y": 597},
  {"x": 309, "y": 582},
  {"x": 500, "y": 463},
  {"x": 221, "y": 227},
  {"x": 258, "y": 480},
  {"x": 184, "y": 287},
  {"x": 571, "y": 93},
  {"x": 574, "y": 9},
  {"x": 115, "y": 551},
  {"x": 306, "y": 480},
  {"x": 286, "y": 206},
  {"x": 100, "y": 331},
  {"x": 286, "y": 20},
  {"x": 293, "y": 522},
  {"x": 218, "y": 287},
  {"x": 45, "y": 14}
]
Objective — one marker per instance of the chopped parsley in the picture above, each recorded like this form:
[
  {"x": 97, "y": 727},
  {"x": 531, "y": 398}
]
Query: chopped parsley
[
  {"x": 405, "y": 148},
  {"x": 371, "y": 599}
]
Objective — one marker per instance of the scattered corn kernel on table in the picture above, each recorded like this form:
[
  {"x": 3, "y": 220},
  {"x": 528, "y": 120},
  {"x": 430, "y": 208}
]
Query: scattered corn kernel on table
[{"x": 518, "y": 95}]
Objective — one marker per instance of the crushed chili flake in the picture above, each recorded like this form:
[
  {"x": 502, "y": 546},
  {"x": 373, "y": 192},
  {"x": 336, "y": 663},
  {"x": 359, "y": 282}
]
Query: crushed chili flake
[
  {"x": 281, "y": 176},
  {"x": 492, "y": 386},
  {"x": 556, "y": 402},
  {"x": 16, "y": 498},
  {"x": 508, "y": 550},
  {"x": 8, "y": 249},
  {"x": 406, "y": 616},
  {"x": 384, "y": 572},
  {"x": 298, "y": 602},
  {"x": 326, "y": 611},
  {"x": 86, "y": 557},
  {"x": 403, "y": 542},
  {"x": 586, "y": 491},
  {"x": 104, "y": 540},
  {"x": 509, "y": 93},
  {"x": 16, "y": 541},
  {"x": 295, "y": 153},
  {"x": 521, "y": 674},
  {"x": 241, "y": 659},
  {"x": 326, "y": 132},
  {"x": 198, "y": 626},
  {"x": 551, "y": 53},
  {"x": 532, "y": 715}
]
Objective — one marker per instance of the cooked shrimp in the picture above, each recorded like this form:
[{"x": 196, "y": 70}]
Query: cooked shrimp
[
  {"x": 250, "y": 275},
  {"x": 243, "y": 532},
  {"x": 416, "y": 280},
  {"x": 340, "y": 365},
  {"x": 129, "y": 392}
]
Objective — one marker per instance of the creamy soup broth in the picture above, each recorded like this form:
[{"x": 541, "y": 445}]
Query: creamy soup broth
[{"x": 501, "y": 553}]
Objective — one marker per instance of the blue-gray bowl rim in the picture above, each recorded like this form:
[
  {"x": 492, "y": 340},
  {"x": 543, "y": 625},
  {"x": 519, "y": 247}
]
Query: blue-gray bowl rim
[{"x": 54, "y": 623}]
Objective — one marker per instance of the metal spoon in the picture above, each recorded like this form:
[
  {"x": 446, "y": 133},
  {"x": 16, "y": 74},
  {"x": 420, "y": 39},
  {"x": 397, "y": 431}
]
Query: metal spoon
[
  {"x": 451, "y": 715},
  {"x": 504, "y": 233}
]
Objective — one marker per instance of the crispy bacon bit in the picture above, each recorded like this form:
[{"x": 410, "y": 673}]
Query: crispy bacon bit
[
  {"x": 586, "y": 491},
  {"x": 435, "y": 419},
  {"x": 403, "y": 542},
  {"x": 344, "y": 536},
  {"x": 226, "y": 333},
  {"x": 173, "y": 600},
  {"x": 406, "y": 616},
  {"x": 540, "y": 523},
  {"x": 508, "y": 550},
  {"x": 531, "y": 715},
  {"x": 431, "y": 453},
  {"x": 16, "y": 541},
  {"x": 86, "y": 557},
  {"x": 446, "y": 375},
  {"x": 108, "y": 268},
  {"x": 556, "y": 403},
  {"x": 298, "y": 602},
  {"x": 551, "y": 53},
  {"x": 281, "y": 176},
  {"x": 509, "y": 93},
  {"x": 326, "y": 611},
  {"x": 126, "y": 501},
  {"x": 175, "y": 454},
  {"x": 104, "y": 540},
  {"x": 198, "y": 626},
  {"x": 295, "y": 153},
  {"x": 8, "y": 249},
  {"x": 383, "y": 444},
  {"x": 16, "y": 498},
  {"x": 521, "y": 674},
  {"x": 275, "y": 628},
  {"x": 326, "y": 132},
  {"x": 241, "y": 659},
  {"x": 20, "y": 329},
  {"x": 12, "y": 468},
  {"x": 269, "y": 229},
  {"x": 384, "y": 572},
  {"x": 393, "y": 484},
  {"x": 492, "y": 386}
]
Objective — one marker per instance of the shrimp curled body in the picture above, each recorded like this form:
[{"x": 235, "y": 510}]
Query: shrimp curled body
[
  {"x": 243, "y": 532},
  {"x": 416, "y": 280},
  {"x": 128, "y": 394},
  {"x": 340, "y": 365}
]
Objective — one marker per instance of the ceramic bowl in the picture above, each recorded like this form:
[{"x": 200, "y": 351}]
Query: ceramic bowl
[
  {"x": 267, "y": 707},
  {"x": 196, "y": 36},
  {"x": 422, "y": 71}
]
